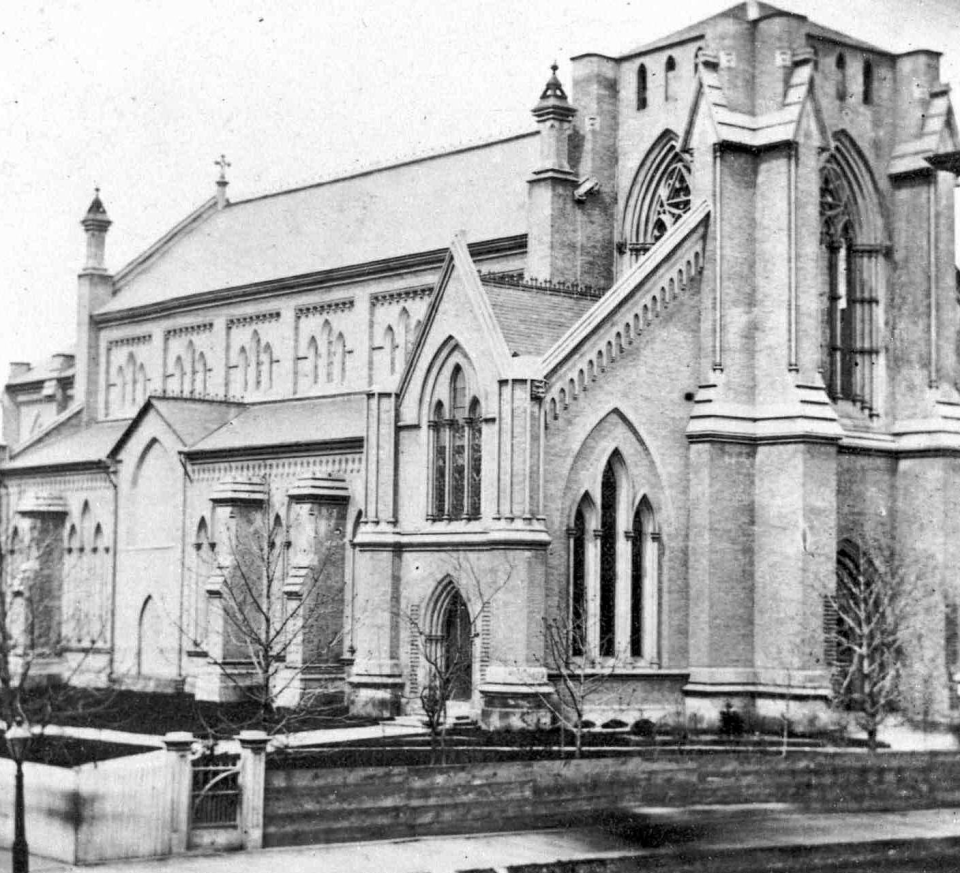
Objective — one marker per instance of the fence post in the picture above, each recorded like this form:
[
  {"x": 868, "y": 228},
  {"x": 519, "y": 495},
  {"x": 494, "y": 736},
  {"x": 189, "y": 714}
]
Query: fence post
[
  {"x": 178, "y": 744},
  {"x": 253, "y": 747}
]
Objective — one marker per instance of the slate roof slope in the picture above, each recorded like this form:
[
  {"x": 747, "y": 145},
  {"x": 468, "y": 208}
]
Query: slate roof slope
[
  {"x": 193, "y": 419},
  {"x": 532, "y": 320},
  {"x": 288, "y": 422},
  {"x": 741, "y": 11},
  {"x": 86, "y": 445},
  {"x": 412, "y": 207}
]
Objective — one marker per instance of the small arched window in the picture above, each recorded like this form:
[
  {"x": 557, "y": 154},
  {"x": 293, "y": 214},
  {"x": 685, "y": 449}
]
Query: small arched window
[
  {"x": 867, "y": 82},
  {"x": 192, "y": 366},
  {"x": 257, "y": 361},
  {"x": 642, "y": 87},
  {"x": 267, "y": 366},
  {"x": 340, "y": 351},
  {"x": 669, "y": 71},
  {"x": 390, "y": 344},
  {"x": 313, "y": 360},
  {"x": 201, "y": 388},
  {"x": 475, "y": 479},
  {"x": 243, "y": 370},
  {"x": 841, "y": 76},
  {"x": 439, "y": 427},
  {"x": 178, "y": 375}
]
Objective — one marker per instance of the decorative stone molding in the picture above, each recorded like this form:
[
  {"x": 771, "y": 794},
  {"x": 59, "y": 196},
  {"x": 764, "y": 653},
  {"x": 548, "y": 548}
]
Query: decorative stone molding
[
  {"x": 139, "y": 340},
  {"x": 258, "y": 318},
  {"x": 188, "y": 330},
  {"x": 311, "y": 310},
  {"x": 384, "y": 298},
  {"x": 42, "y": 503},
  {"x": 238, "y": 489},
  {"x": 319, "y": 489}
]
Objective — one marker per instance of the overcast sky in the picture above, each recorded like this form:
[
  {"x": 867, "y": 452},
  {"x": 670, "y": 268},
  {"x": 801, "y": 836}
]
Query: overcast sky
[{"x": 140, "y": 98}]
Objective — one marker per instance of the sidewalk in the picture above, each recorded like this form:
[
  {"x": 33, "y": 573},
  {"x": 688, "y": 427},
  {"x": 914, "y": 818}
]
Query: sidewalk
[{"x": 700, "y": 829}]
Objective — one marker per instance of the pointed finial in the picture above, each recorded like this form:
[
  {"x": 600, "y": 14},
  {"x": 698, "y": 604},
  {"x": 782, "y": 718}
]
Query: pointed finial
[{"x": 553, "y": 90}]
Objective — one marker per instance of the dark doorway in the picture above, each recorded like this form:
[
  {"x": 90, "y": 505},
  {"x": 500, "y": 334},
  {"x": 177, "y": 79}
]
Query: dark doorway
[{"x": 458, "y": 648}]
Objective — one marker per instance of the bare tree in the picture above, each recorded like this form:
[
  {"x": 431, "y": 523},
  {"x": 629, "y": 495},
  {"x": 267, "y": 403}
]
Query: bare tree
[
  {"x": 447, "y": 653},
  {"x": 48, "y": 640},
  {"x": 578, "y": 679},
  {"x": 275, "y": 633},
  {"x": 875, "y": 627}
]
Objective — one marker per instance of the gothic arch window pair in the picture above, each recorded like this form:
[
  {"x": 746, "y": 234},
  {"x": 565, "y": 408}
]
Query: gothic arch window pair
[
  {"x": 852, "y": 274},
  {"x": 456, "y": 451},
  {"x": 659, "y": 197},
  {"x": 131, "y": 383},
  {"x": 190, "y": 373},
  {"x": 85, "y": 581},
  {"x": 399, "y": 343},
  {"x": 255, "y": 365},
  {"x": 614, "y": 573},
  {"x": 327, "y": 357},
  {"x": 669, "y": 86},
  {"x": 843, "y": 91}
]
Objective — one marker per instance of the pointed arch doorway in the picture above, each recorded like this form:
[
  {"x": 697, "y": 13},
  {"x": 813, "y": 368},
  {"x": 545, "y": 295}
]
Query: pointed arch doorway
[{"x": 449, "y": 651}]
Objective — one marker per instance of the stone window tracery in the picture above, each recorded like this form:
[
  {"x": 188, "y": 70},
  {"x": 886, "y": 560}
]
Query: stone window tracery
[
  {"x": 456, "y": 453},
  {"x": 851, "y": 276},
  {"x": 614, "y": 573},
  {"x": 660, "y": 197}
]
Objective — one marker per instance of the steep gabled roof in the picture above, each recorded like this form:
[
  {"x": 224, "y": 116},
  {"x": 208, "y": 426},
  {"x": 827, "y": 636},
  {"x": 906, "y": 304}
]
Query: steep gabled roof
[
  {"x": 532, "y": 320},
  {"x": 405, "y": 209}
]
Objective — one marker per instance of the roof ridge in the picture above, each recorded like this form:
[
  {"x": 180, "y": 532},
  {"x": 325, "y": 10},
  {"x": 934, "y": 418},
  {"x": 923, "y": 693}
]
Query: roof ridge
[{"x": 368, "y": 169}]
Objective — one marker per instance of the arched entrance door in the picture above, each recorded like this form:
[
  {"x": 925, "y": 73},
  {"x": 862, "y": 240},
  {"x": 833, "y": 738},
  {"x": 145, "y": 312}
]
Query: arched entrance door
[{"x": 457, "y": 660}]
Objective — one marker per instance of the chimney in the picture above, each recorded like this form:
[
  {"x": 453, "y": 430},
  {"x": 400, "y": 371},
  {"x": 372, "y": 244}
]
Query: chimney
[{"x": 94, "y": 291}]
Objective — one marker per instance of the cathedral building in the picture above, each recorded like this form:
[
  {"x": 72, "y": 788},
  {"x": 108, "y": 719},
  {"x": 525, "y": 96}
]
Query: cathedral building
[{"x": 653, "y": 373}]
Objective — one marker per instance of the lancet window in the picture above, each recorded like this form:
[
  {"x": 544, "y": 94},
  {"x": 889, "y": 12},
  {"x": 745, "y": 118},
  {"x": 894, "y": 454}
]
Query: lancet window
[
  {"x": 456, "y": 433},
  {"x": 852, "y": 270},
  {"x": 614, "y": 559}
]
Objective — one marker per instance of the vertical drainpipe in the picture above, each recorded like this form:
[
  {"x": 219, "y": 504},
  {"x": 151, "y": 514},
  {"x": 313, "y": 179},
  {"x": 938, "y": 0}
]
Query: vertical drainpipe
[
  {"x": 182, "y": 553},
  {"x": 112, "y": 473}
]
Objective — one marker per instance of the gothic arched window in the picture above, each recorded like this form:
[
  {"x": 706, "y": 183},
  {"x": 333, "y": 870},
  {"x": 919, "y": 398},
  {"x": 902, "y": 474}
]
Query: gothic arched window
[
  {"x": 475, "y": 450},
  {"x": 608, "y": 563},
  {"x": 439, "y": 427},
  {"x": 642, "y": 87},
  {"x": 659, "y": 197},
  {"x": 614, "y": 573},
  {"x": 457, "y": 452},
  {"x": 390, "y": 344},
  {"x": 201, "y": 388},
  {"x": 867, "y": 81},
  {"x": 669, "y": 72},
  {"x": 852, "y": 264},
  {"x": 841, "y": 76}
]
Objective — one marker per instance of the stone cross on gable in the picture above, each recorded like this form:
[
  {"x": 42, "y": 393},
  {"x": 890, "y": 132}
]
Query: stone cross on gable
[{"x": 223, "y": 163}]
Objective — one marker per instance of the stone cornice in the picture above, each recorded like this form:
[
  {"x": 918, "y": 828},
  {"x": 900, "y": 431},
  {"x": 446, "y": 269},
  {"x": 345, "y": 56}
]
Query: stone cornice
[
  {"x": 385, "y": 298},
  {"x": 433, "y": 259},
  {"x": 348, "y": 445},
  {"x": 310, "y": 310},
  {"x": 139, "y": 340},
  {"x": 256, "y": 318},
  {"x": 188, "y": 330}
]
